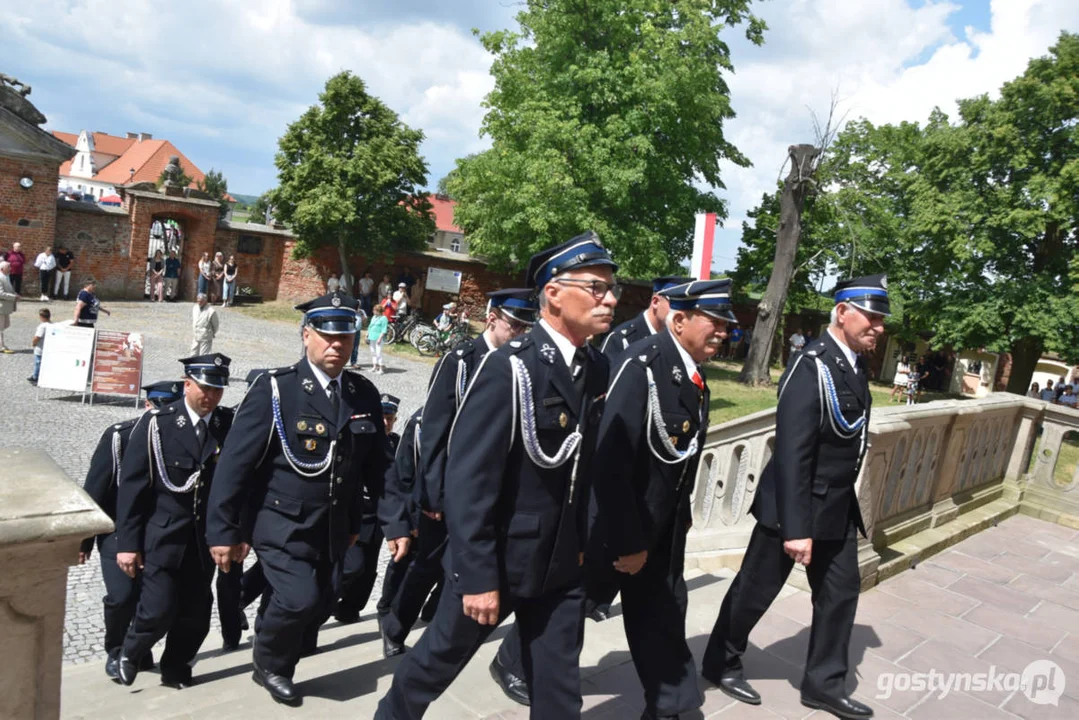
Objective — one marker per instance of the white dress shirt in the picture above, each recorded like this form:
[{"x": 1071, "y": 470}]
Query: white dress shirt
[
  {"x": 851, "y": 357},
  {"x": 324, "y": 380}
]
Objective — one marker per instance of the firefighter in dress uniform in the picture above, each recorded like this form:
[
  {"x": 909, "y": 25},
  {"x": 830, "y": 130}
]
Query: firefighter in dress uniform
[
  {"x": 806, "y": 508},
  {"x": 649, "y": 322},
  {"x": 121, "y": 592},
  {"x": 165, "y": 479},
  {"x": 518, "y": 467},
  {"x": 647, "y": 456},
  {"x": 308, "y": 439}
]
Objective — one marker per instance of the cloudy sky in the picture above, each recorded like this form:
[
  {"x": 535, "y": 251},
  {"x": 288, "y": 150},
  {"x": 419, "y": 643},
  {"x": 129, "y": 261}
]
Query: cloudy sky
[{"x": 221, "y": 79}]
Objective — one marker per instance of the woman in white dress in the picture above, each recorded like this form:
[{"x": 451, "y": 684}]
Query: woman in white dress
[{"x": 902, "y": 376}]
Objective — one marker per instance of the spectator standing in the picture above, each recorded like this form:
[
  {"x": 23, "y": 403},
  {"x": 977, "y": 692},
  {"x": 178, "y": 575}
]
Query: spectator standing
[
  {"x": 735, "y": 340},
  {"x": 8, "y": 296},
  {"x": 797, "y": 342},
  {"x": 367, "y": 292},
  {"x": 1060, "y": 387},
  {"x": 204, "y": 325},
  {"x": 38, "y": 342},
  {"x": 157, "y": 277},
  {"x": 217, "y": 278},
  {"x": 172, "y": 276},
  {"x": 45, "y": 264},
  {"x": 1068, "y": 397},
  {"x": 361, "y": 318},
  {"x": 385, "y": 288},
  {"x": 375, "y": 332},
  {"x": 332, "y": 285},
  {"x": 1034, "y": 392},
  {"x": 17, "y": 260},
  {"x": 1049, "y": 394},
  {"x": 408, "y": 279},
  {"x": 902, "y": 375},
  {"x": 204, "y": 274},
  {"x": 230, "y": 281},
  {"x": 87, "y": 306},
  {"x": 65, "y": 260},
  {"x": 400, "y": 299}
]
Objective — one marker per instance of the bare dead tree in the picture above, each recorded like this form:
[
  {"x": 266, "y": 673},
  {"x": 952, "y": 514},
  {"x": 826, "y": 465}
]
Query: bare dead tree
[{"x": 800, "y": 182}]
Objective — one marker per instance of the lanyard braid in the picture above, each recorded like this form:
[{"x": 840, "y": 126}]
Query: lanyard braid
[
  {"x": 116, "y": 458},
  {"x": 654, "y": 418},
  {"x": 840, "y": 425},
  {"x": 462, "y": 381},
  {"x": 157, "y": 459},
  {"x": 522, "y": 391},
  {"x": 307, "y": 469}
]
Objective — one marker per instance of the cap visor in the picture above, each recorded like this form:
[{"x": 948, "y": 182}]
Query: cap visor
[
  {"x": 333, "y": 326},
  {"x": 877, "y": 307},
  {"x": 721, "y": 315}
]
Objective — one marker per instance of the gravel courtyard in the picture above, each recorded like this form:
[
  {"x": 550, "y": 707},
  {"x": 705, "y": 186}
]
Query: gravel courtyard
[{"x": 58, "y": 423}]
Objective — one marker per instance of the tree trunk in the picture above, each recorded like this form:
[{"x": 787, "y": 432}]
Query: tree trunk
[
  {"x": 1025, "y": 356},
  {"x": 789, "y": 233},
  {"x": 346, "y": 276}
]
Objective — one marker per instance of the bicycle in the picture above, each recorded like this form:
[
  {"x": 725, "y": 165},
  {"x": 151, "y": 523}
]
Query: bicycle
[{"x": 435, "y": 342}]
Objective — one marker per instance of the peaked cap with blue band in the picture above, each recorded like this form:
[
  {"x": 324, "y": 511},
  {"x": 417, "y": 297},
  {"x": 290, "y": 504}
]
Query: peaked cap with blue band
[
  {"x": 515, "y": 302},
  {"x": 164, "y": 391},
  {"x": 210, "y": 370},
  {"x": 869, "y": 293},
  {"x": 712, "y": 297},
  {"x": 667, "y": 281},
  {"x": 333, "y": 313},
  {"x": 390, "y": 403},
  {"x": 585, "y": 250}
]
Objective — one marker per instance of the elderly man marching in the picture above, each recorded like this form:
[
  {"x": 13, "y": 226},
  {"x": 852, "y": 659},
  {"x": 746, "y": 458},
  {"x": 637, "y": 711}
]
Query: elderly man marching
[
  {"x": 646, "y": 461},
  {"x": 161, "y": 502},
  {"x": 307, "y": 440},
  {"x": 519, "y": 462},
  {"x": 806, "y": 508}
]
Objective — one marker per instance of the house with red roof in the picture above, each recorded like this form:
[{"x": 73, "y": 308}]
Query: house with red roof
[
  {"x": 448, "y": 237},
  {"x": 104, "y": 162}
]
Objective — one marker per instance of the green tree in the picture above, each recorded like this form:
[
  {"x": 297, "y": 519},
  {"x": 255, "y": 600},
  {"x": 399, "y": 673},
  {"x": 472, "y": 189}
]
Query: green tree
[
  {"x": 606, "y": 115},
  {"x": 260, "y": 207},
  {"x": 183, "y": 181},
  {"x": 350, "y": 173},
  {"x": 216, "y": 186}
]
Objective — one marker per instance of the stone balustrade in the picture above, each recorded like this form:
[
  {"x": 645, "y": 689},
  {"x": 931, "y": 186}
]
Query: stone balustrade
[
  {"x": 43, "y": 517},
  {"x": 933, "y": 474}
]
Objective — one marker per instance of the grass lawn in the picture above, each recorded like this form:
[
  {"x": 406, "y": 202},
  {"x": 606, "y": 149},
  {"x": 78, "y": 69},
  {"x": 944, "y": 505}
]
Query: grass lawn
[{"x": 1067, "y": 461}]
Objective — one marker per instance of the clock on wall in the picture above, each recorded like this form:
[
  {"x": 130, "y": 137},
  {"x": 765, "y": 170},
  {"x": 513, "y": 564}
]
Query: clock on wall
[{"x": 26, "y": 182}]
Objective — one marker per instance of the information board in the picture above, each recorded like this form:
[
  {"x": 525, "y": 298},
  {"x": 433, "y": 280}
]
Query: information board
[
  {"x": 117, "y": 363},
  {"x": 65, "y": 358},
  {"x": 448, "y": 281}
]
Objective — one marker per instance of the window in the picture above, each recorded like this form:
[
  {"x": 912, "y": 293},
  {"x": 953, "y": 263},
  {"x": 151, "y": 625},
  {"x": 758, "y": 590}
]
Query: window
[
  {"x": 455, "y": 244},
  {"x": 249, "y": 245}
]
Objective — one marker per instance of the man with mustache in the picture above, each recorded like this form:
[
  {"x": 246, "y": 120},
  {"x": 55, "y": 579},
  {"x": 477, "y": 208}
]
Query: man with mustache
[
  {"x": 806, "y": 508},
  {"x": 519, "y": 462},
  {"x": 653, "y": 425}
]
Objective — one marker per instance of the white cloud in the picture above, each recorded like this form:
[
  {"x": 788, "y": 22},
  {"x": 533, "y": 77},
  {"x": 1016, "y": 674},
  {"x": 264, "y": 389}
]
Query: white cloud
[{"x": 889, "y": 61}]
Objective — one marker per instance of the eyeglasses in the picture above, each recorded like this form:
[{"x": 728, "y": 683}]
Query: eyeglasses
[
  {"x": 515, "y": 326},
  {"x": 598, "y": 288}
]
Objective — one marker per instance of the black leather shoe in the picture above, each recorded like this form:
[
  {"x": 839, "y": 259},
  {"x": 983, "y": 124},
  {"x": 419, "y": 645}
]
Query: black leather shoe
[
  {"x": 280, "y": 687},
  {"x": 390, "y": 647},
  {"x": 734, "y": 685},
  {"x": 177, "y": 683},
  {"x": 843, "y": 707},
  {"x": 126, "y": 670},
  {"x": 229, "y": 645},
  {"x": 600, "y": 613},
  {"x": 516, "y": 688},
  {"x": 112, "y": 667},
  {"x": 346, "y": 616}
]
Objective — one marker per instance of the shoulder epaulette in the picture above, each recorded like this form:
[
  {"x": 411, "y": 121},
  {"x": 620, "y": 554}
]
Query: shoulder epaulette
[
  {"x": 226, "y": 410},
  {"x": 465, "y": 347},
  {"x": 125, "y": 424},
  {"x": 518, "y": 345},
  {"x": 815, "y": 348},
  {"x": 278, "y": 372},
  {"x": 167, "y": 410},
  {"x": 647, "y": 354}
]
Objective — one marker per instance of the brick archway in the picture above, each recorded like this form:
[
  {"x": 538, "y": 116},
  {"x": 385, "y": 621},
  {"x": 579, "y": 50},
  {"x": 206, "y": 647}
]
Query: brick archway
[{"x": 199, "y": 220}]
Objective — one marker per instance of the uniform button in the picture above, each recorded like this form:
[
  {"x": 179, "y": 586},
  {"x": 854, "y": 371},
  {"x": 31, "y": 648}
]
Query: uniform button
[
  {"x": 340, "y": 436},
  {"x": 338, "y": 481},
  {"x": 276, "y": 502},
  {"x": 335, "y": 501},
  {"x": 338, "y": 458}
]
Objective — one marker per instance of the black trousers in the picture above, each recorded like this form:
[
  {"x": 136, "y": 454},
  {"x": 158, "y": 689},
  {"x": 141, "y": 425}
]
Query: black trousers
[
  {"x": 424, "y": 574},
  {"x": 252, "y": 584},
  {"x": 551, "y": 634},
  {"x": 834, "y": 581},
  {"x": 175, "y": 602},
  {"x": 229, "y": 611},
  {"x": 392, "y": 581},
  {"x": 298, "y": 599},
  {"x": 121, "y": 596},
  {"x": 356, "y": 574}
]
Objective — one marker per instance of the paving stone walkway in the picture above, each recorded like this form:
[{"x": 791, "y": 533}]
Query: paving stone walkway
[
  {"x": 993, "y": 604},
  {"x": 57, "y": 422}
]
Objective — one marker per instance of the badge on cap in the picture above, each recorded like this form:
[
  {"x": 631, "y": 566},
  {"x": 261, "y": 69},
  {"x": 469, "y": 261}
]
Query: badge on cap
[
  {"x": 563, "y": 420},
  {"x": 310, "y": 444},
  {"x": 336, "y": 301},
  {"x": 217, "y": 361},
  {"x": 884, "y": 282},
  {"x": 308, "y": 385},
  {"x": 180, "y": 421},
  {"x": 175, "y": 388}
]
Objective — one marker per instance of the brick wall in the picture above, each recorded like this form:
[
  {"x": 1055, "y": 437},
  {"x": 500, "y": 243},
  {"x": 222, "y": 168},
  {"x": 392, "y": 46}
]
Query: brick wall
[
  {"x": 260, "y": 272},
  {"x": 101, "y": 242},
  {"x": 28, "y": 216},
  {"x": 199, "y": 221}
]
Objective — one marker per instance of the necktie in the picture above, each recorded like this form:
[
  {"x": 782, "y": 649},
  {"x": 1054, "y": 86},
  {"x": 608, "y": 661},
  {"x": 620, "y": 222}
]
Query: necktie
[
  {"x": 698, "y": 380},
  {"x": 580, "y": 357},
  {"x": 335, "y": 397},
  {"x": 200, "y": 432}
]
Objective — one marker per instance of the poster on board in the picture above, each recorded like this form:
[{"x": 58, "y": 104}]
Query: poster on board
[
  {"x": 448, "y": 281},
  {"x": 117, "y": 363},
  {"x": 65, "y": 358}
]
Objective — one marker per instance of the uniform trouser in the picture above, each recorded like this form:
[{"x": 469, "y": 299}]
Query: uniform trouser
[
  {"x": 358, "y": 570},
  {"x": 252, "y": 584},
  {"x": 391, "y": 582},
  {"x": 176, "y": 602},
  {"x": 654, "y": 603},
  {"x": 551, "y": 631},
  {"x": 121, "y": 596},
  {"x": 834, "y": 581},
  {"x": 297, "y": 600},
  {"x": 229, "y": 610},
  {"x": 424, "y": 574},
  {"x": 202, "y": 345}
]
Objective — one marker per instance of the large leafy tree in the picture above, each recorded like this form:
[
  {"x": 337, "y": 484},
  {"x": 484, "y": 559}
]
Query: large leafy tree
[
  {"x": 216, "y": 186},
  {"x": 350, "y": 175},
  {"x": 606, "y": 115}
]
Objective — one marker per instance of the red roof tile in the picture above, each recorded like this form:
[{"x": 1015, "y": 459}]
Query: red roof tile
[{"x": 442, "y": 208}]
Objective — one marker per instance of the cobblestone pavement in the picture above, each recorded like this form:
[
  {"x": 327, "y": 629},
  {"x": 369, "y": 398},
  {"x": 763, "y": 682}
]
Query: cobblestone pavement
[{"x": 56, "y": 421}]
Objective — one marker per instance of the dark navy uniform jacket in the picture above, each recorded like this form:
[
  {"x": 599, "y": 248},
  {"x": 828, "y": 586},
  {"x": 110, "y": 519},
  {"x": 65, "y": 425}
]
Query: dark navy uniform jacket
[
  {"x": 637, "y": 495},
  {"x": 261, "y": 498},
  {"x": 807, "y": 488},
  {"x": 449, "y": 380},
  {"x": 512, "y": 524},
  {"x": 104, "y": 471},
  {"x": 151, "y": 518},
  {"x": 621, "y": 337},
  {"x": 398, "y": 510}
]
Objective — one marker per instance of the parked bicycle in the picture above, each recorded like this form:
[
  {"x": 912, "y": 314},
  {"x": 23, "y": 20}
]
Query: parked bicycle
[{"x": 437, "y": 342}]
